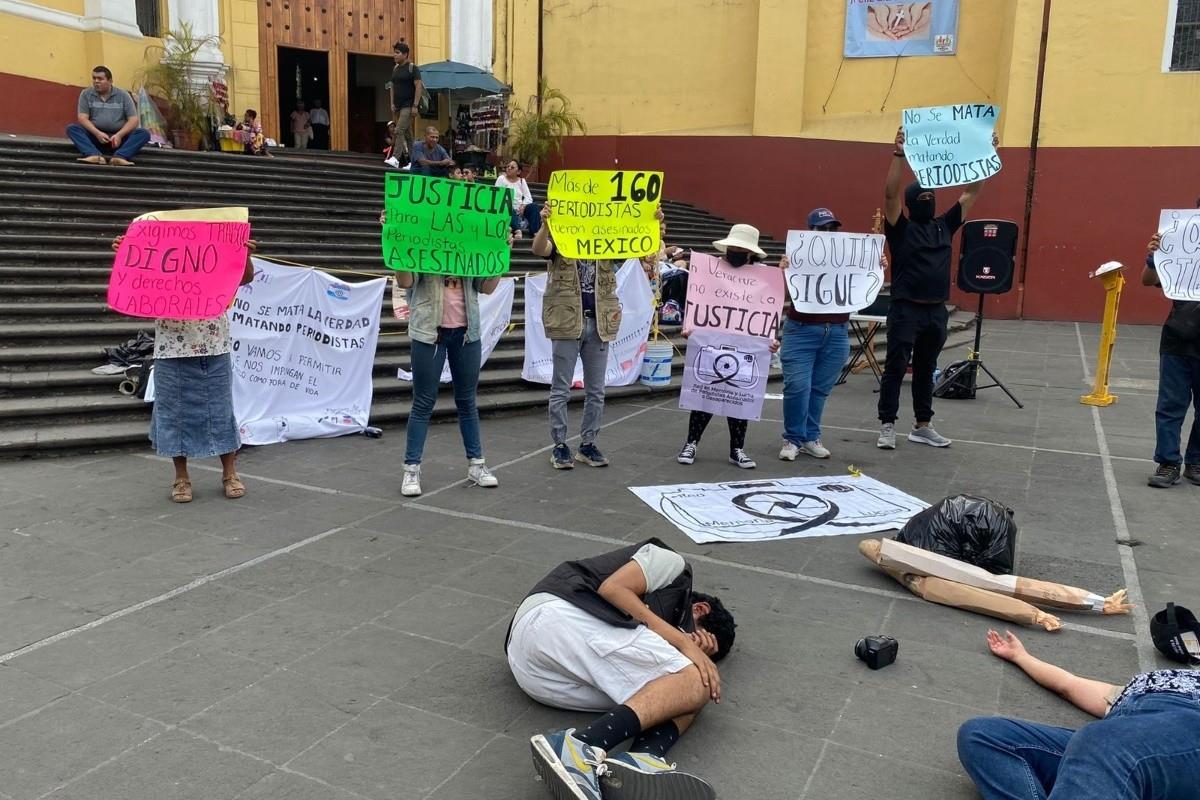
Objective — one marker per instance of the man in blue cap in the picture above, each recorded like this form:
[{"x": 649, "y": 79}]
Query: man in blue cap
[{"x": 815, "y": 346}]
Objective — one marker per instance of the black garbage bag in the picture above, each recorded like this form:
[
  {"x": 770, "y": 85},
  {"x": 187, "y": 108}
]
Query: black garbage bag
[
  {"x": 973, "y": 529},
  {"x": 957, "y": 382}
]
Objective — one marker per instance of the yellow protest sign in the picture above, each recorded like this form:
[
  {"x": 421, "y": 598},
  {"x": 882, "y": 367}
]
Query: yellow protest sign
[{"x": 608, "y": 214}]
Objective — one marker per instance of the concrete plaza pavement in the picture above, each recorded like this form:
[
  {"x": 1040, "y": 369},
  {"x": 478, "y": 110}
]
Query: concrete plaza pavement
[{"x": 324, "y": 639}]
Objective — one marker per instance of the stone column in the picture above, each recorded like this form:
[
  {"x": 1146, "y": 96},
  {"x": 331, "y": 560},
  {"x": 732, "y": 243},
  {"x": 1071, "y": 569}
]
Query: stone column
[{"x": 204, "y": 17}]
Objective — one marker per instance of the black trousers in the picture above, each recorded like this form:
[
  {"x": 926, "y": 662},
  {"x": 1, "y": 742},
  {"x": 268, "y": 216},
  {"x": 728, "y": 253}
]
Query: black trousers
[
  {"x": 916, "y": 333},
  {"x": 320, "y": 138}
]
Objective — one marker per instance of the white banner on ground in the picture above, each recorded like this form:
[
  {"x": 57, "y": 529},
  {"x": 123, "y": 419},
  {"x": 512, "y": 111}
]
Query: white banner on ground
[
  {"x": 303, "y": 352},
  {"x": 783, "y": 508},
  {"x": 1177, "y": 260},
  {"x": 725, "y": 374},
  {"x": 833, "y": 273},
  {"x": 625, "y": 353},
  {"x": 495, "y": 315}
]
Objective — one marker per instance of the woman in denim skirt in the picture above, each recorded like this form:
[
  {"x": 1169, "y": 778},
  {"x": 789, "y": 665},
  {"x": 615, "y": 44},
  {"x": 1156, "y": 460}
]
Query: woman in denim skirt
[
  {"x": 193, "y": 396},
  {"x": 1145, "y": 746}
]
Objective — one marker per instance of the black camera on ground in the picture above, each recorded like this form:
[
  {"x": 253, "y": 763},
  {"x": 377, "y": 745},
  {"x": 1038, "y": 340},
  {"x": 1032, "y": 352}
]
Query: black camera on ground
[{"x": 877, "y": 651}]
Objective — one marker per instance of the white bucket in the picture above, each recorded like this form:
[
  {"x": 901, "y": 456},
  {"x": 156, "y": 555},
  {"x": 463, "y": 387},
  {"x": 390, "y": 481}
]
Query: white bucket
[{"x": 656, "y": 365}]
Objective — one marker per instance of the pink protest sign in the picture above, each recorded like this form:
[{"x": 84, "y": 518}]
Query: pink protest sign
[
  {"x": 744, "y": 300},
  {"x": 178, "y": 270}
]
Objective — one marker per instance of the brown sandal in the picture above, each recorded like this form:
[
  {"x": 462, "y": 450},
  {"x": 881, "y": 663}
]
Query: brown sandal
[
  {"x": 234, "y": 488},
  {"x": 181, "y": 491}
]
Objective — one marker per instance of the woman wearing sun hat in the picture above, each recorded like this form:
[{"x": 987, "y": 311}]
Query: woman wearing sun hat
[{"x": 737, "y": 250}]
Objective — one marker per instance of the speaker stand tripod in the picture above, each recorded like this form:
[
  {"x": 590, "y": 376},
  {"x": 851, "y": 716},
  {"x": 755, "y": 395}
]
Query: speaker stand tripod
[{"x": 975, "y": 361}]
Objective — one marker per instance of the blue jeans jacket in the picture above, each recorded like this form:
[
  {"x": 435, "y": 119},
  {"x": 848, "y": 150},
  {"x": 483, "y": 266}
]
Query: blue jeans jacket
[{"x": 425, "y": 307}]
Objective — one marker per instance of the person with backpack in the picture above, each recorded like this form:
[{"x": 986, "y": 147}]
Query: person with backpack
[
  {"x": 1178, "y": 386},
  {"x": 405, "y": 90}
]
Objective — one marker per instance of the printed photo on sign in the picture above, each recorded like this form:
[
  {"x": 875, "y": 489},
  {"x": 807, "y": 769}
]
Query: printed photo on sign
[
  {"x": 833, "y": 273},
  {"x": 604, "y": 213},
  {"x": 743, "y": 300},
  {"x": 1177, "y": 260},
  {"x": 783, "y": 508},
  {"x": 303, "y": 353},
  {"x": 625, "y": 353},
  {"x": 445, "y": 227},
  {"x": 725, "y": 374},
  {"x": 887, "y": 28},
  {"x": 178, "y": 269},
  {"x": 951, "y": 145}
]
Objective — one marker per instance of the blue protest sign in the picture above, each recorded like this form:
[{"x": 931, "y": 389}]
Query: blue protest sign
[
  {"x": 887, "y": 28},
  {"x": 951, "y": 145}
]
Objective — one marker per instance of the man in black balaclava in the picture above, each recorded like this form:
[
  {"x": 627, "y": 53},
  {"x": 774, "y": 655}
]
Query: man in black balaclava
[{"x": 920, "y": 244}]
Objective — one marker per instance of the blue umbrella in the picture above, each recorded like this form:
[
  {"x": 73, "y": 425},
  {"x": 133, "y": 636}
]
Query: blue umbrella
[{"x": 443, "y": 76}]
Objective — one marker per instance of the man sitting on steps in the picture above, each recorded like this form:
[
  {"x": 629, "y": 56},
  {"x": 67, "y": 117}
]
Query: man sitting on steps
[
  {"x": 621, "y": 632},
  {"x": 107, "y": 117}
]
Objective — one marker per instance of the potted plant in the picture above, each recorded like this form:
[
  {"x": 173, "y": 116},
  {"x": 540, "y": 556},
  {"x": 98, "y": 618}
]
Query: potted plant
[
  {"x": 171, "y": 76},
  {"x": 538, "y": 128}
]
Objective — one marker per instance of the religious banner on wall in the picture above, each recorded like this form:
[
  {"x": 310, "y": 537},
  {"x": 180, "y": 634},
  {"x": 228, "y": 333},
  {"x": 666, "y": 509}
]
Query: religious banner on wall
[
  {"x": 833, "y": 273},
  {"x": 1177, "y": 260},
  {"x": 625, "y": 353},
  {"x": 445, "y": 227},
  {"x": 781, "y": 508},
  {"x": 303, "y": 354},
  {"x": 183, "y": 264},
  {"x": 888, "y": 28},
  {"x": 495, "y": 316},
  {"x": 604, "y": 213},
  {"x": 951, "y": 145},
  {"x": 743, "y": 300},
  {"x": 725, "y": 374}
]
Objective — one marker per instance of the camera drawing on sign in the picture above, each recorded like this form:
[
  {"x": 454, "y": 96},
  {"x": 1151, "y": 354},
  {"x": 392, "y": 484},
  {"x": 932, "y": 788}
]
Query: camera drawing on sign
[{"x": 725, "y": 364}]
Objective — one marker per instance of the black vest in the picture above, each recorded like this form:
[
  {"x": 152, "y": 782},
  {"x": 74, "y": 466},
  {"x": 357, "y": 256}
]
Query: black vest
[{"x": 578, "y": 583}]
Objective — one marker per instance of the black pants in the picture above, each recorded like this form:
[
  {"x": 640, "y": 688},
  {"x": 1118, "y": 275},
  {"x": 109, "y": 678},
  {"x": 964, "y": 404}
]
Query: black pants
[
  {"x": 916, "y": 333},
  {"x": 320, "y": 139},
  {"x": 698, "y": 421}
]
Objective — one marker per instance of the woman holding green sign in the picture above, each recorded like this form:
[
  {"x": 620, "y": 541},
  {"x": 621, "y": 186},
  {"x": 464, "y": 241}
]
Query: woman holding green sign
[{"x": 443, "y": 324}]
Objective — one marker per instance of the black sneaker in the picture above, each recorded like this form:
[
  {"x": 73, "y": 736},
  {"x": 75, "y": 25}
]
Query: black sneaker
[
  {"x": 1166, "y": 476},
  {"x": 560, "y": 457},
  {"x": 1192, "y": 473},
  {"x": 590, "y": 454}
]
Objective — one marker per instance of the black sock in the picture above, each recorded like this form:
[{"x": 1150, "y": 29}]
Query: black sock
[
  {"x": 656, "y": 741},
  {"x": 610, "y": 730}
]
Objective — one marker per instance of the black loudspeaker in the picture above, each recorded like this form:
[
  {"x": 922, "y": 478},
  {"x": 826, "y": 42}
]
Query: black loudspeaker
[{"x": 986, "y": 260}]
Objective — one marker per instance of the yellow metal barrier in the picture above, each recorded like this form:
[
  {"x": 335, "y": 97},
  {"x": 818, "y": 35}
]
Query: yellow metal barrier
[{"x": 1110, "y": 275}]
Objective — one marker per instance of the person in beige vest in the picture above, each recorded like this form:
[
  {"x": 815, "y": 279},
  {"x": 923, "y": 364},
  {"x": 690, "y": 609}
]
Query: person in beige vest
[{"x": 581, "y": 314}]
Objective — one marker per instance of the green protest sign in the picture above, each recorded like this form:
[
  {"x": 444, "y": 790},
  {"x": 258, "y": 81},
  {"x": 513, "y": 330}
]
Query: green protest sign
[{"x": 445, "y": 227}]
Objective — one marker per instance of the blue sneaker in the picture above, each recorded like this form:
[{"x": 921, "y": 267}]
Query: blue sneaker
[
  {"x": 590, "y": 454},
  {"x": 570, "y": 768},
  {"x": 641, "y": 776},
  {"x": 560, "y": 457}
]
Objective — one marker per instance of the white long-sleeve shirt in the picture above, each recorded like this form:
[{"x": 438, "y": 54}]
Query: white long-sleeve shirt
[{"x": 519, "y": 189}]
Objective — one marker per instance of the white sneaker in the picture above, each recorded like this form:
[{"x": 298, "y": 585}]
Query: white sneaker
[
  {"x": 480, "y": 475},
  {"x": 815, "y": 449},
  {"x": 887, "y": 437},
  {"x": 789, "y": 451},
  {"x": 410, "y": 484},
  {"x": 929, "y": 436}
]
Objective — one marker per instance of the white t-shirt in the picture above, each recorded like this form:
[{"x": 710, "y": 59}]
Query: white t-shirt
[
  {"x": 660, "y": 566},
  {"x": 519, "y": 189}
]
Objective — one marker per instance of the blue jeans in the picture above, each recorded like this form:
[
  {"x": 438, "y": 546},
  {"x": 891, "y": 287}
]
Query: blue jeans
[
  {"x": 531, "y": 216},
  {"x": 89, "y": 145},
  {"x": 427, "y": 363},
  {"x": 812, "y": 355},
  {"x": 1178, "y": 388},
  {"x": 1148, "y": 748}
]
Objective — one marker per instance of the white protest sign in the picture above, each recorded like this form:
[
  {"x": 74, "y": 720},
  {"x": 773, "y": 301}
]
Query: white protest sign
[
  {"x": 833, "y": 273},
  {"x": 782, "y": 508},
  {"x": 495, "y": 315},
  {"x": 951, "y": 145},
  {"x": 625, "y": 353},
  {"x": 725, "y": 374},
  {"x": 1177, "y": 260},
  {"x": 303, "y": 353}
]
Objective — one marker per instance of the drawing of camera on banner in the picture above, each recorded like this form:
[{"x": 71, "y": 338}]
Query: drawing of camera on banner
[{"x": 725, "y": 364}]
